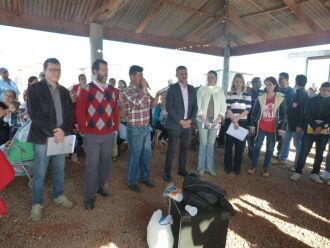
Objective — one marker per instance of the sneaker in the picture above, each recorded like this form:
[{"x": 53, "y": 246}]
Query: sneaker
[
  {"x": 74, "y": 158},
  {"x": 201, "y": 173},
  {"x": 295, "y": 176},
  {"x": 63, "y": 201},
  {"x": 292, "y": 169},
  {"x": 316, "y": 178},
  {"x": 213, "y": 173},
  {"x": 36, "y": 212},
  {"x": 325, "y": 175}
]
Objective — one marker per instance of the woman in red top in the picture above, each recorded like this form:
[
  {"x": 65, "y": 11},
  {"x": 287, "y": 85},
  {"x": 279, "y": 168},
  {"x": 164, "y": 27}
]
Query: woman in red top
[{"x": 268, "y": 118}]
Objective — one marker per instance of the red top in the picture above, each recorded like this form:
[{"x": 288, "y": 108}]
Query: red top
[
  {"x": 97, "y": 110},
  {"x": 267, "y": 121}
]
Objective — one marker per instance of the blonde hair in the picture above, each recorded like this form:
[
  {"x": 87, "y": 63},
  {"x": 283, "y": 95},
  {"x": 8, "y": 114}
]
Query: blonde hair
[{"x": 237, "y": 76}]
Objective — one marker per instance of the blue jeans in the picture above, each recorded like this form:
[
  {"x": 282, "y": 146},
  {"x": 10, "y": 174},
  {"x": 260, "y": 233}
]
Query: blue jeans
[
  {"x": 206, "y": 148},
  {"x": 270, "y": 144},
  {"x": 297, "y": 140},
  {"x": 139, "y": 153},
  {"x": 41, "y": 161}
]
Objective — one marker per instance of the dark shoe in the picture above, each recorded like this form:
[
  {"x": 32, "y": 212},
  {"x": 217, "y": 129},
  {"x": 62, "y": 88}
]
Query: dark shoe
[
  {"x": 134, "y": 187},
  {"x": 167, "y": 178},
  {"x": 183, "y": 173},
  {"x": 237, "y": 172},
  {"x": 103, "y": 192},
  {"x": 89, "y": 204},
  {"x": 228, "y": 172},
  {"x": 149, "y": 183}
]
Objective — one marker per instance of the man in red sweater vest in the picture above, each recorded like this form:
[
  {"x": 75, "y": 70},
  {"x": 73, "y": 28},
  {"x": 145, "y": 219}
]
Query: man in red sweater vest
[{"x": 98, "y": 119}]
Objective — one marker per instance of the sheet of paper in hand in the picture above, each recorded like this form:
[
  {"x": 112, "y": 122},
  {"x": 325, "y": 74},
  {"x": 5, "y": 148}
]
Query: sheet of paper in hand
[
  {"x": 67, "y": 146},
  {"x": 239, "y": 133}
]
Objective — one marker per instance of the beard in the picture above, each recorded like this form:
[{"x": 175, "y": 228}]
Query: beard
[{"x": 101, "y": 78}]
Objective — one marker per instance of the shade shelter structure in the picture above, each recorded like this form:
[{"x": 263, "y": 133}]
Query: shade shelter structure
[{"x": 217, "y": 27}]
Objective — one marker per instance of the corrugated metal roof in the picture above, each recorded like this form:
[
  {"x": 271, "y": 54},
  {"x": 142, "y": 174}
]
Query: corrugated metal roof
[{"x": 178, "y": 23}]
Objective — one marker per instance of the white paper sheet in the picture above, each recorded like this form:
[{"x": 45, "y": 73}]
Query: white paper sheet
[
  {"x": 67, "y": 146},
  {"x": 239, "y": 133}
]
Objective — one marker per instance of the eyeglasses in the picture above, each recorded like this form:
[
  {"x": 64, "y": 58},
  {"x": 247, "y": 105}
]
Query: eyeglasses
[{"x": 53, "y": 70}]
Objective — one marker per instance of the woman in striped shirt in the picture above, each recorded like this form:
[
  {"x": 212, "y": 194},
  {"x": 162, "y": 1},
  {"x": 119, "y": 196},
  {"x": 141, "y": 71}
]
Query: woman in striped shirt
[{"x": 238, "y": 107}]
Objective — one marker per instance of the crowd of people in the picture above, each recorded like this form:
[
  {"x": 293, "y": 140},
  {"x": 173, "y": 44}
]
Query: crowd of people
[{"x": 103, "y": 117}]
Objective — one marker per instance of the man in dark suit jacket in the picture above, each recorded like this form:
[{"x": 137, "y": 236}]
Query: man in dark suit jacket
[
  {"x": 181, "y": 106},
  {"x": 51, "y": 112}
]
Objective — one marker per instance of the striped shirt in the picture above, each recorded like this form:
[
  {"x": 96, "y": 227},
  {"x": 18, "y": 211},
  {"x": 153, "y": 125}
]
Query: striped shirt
[{"x": 238, "y": 103}]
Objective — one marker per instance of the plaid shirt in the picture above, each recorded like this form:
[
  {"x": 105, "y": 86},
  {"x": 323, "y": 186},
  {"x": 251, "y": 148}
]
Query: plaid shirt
[{"x": 137, "y": 105}]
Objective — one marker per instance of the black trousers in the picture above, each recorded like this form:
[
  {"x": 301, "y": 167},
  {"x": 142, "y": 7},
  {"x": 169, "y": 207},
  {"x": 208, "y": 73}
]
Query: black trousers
[
  {"x": 184, "y": 136},
  {"x": 307, "y": 143},
  {"x": 163, "y": 130},
  {"x": 229, "y": 162}
]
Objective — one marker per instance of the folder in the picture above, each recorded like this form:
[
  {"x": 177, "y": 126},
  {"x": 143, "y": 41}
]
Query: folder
[{"x": 64, "y": 147}]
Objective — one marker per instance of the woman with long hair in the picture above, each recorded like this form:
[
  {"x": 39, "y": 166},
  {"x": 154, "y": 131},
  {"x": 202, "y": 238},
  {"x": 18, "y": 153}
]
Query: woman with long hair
[
  {"x": 211, "y": 103},
  {"x": 268, "y": 119},
  {"x": 238, "y": 107}
]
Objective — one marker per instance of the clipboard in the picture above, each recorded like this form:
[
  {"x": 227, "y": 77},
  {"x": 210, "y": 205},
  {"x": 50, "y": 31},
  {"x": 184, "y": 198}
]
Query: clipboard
[{"x": 65, "y": 147}]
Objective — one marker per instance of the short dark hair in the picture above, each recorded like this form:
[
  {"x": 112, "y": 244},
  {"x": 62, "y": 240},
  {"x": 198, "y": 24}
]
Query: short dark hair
[
  {"x": 14, "y": 93},
  {"x": 180, "y": 67},
  {"x": 301, "y": 80},
  {"x": 80, "y": 76},
  {"x": 285, "y": 75},
  {"x": 255, "y": 80},
  {"x": 112, "y": 79},
  {"x": 325, "y": 85},
  {"x": 135, "y": 69},
  {"x": 51, "y": 60},
  {"x": 31, "y": 79},
  {"x": 122, "y": 81},
  {"x": 214, "y": 73},
  {"x": 96, "y": 64}
]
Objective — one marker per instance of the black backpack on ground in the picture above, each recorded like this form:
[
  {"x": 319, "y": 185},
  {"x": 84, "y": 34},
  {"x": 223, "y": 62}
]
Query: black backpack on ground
[{"x": 203, "y": 194}]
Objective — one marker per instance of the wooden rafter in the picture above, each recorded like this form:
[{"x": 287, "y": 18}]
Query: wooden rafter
[
  {"x": 106, "y": 11},
  {"x": 91, "y": 10},
  {"x": 311, "y": 39},
  {"x": 73, "y": 28},
  {"x": 206, "y": 26},
  {"x": 238, "y": 21},
  {"x": 154, "y": 11},
  {"x": 16, "y": 7},
  {"x": 303, "y": 17}
]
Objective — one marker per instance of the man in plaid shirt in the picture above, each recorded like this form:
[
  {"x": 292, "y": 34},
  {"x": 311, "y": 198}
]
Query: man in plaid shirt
[{"x": 137, "y": 103}]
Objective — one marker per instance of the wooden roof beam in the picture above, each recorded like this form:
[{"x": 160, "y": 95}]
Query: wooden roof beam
[
  {"x": 238, "y": 21},
  {"x": 311, "y": 39},
  {"x": 73, "y": 28},
  {"x": 303, "y": 17},
  {"x": 154, "y": 11},
  {"x": 16, "y": 7},
  {"x": 206, "y": 26},
  {"x": 106, "y": 11}
]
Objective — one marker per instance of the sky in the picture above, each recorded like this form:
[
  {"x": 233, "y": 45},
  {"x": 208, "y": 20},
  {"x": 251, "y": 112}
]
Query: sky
[{"x": 24, "y": 51}]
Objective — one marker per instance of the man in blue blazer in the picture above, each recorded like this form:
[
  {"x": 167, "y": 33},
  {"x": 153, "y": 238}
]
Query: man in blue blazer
[{"x": 181, "y": 106}]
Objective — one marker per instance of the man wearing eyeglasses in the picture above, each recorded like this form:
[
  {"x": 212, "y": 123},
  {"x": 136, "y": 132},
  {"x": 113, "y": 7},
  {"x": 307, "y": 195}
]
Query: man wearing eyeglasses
[{"x": 51, "y": 112}]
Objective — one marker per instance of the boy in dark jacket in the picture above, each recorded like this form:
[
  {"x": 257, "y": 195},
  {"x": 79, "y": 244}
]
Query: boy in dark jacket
[
  {"x": 295, "y": 119},
  {"x": 316, "y": 129}
]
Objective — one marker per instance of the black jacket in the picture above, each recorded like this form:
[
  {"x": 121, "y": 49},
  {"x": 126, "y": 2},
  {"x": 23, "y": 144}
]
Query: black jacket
[
  {"x": 295, "y": 111},
  {"x": 41, "y": 109},
  {"x": 279, "y": 108},
  {"x": 317, "y": 108},
  {"x": 175, "y": 106}
]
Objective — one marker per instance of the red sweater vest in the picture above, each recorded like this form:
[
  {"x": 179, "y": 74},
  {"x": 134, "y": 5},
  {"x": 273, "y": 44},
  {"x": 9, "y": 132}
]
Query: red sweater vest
[{"x": 97, "y": 110}]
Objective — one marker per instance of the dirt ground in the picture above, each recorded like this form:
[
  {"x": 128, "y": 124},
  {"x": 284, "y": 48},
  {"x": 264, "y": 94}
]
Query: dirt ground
[{"x": 271, "y": 212}]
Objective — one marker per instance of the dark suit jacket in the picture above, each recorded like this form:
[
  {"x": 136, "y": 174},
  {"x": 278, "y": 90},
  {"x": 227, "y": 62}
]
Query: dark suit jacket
[
  {"x": 175, "y": 106},
  {"x": 42, "y": 112}
]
